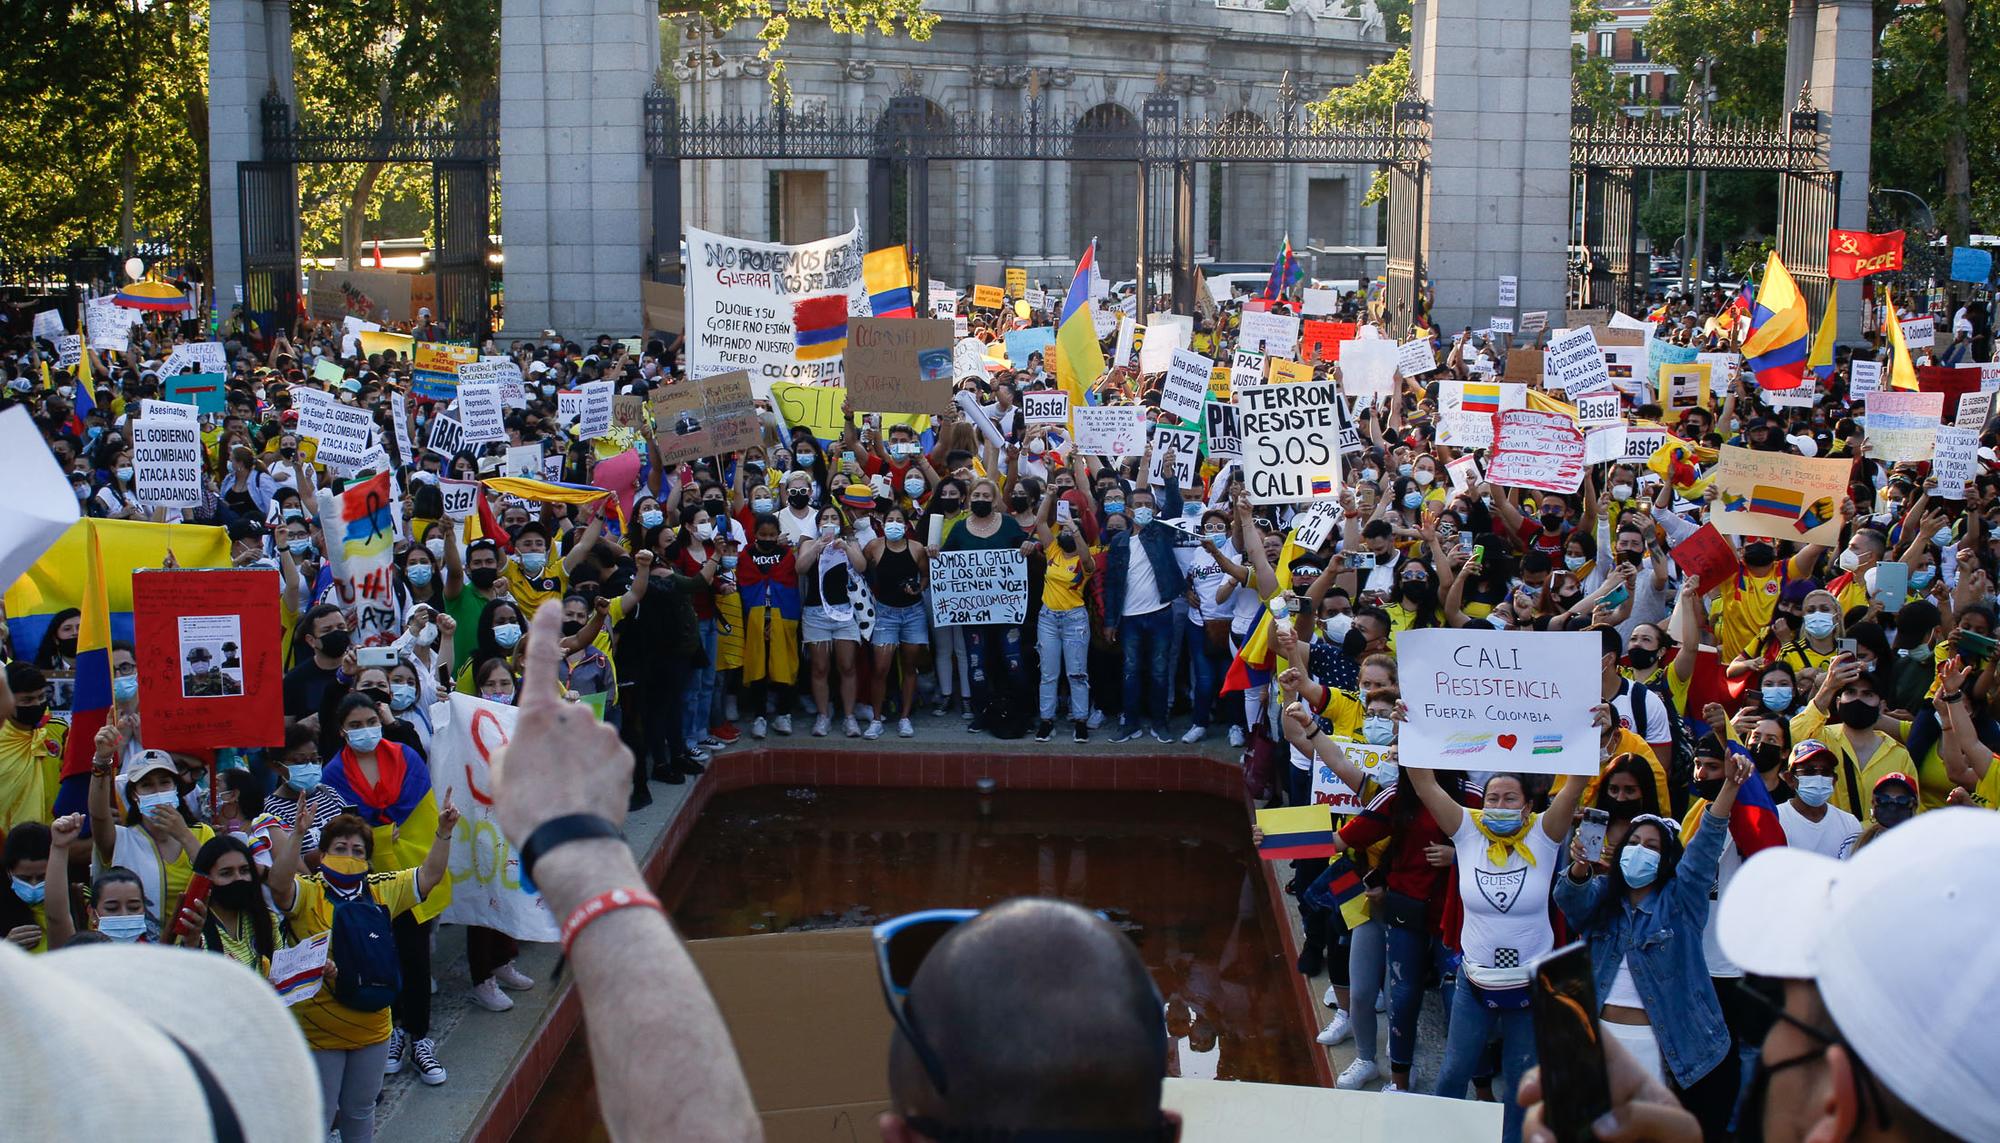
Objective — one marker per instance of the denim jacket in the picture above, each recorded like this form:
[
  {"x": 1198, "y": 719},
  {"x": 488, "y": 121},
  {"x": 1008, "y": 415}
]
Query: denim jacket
[
  {"x": 1660, "y": 940},
  {"x": 1157, "y": 541}
]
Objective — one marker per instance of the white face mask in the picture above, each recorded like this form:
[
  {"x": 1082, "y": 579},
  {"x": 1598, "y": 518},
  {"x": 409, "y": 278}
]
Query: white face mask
[{"x": 1621, "y": 492}]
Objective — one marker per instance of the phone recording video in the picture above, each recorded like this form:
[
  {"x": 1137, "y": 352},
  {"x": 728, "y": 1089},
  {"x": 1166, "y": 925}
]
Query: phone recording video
[{"x": 1575, "y": 1087}]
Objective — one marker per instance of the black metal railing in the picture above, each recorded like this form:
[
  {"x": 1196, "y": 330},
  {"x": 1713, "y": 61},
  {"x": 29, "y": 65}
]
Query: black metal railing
[{"x": 473, "y": 135}]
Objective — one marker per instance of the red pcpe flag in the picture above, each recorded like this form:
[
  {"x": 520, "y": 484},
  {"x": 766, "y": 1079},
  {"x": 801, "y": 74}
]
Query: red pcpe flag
[{"x": 1852, "y": 254}]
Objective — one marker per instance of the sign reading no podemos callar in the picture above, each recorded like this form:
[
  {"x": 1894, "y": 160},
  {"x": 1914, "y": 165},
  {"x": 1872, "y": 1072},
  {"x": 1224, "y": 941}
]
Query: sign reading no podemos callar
[
  {"x": 1500, "y": 700},
  {"x": 1291, "y": 441},
  {"x": 976, "y": 587},
  {"x": 747, "y": 306}
]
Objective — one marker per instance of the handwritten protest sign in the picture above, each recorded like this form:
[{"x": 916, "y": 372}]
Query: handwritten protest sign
[
  {"x": 1222, "y": 428},
  {"x": 1109, "y": 430},
  {"x": 1974, "y": 409},
  {"x": 1368, "y": 369},
  {"x": 1312, "y": 528},
  {"x": 1903, "y": 425},
  {"x": 1186, "y": 385},
  {"x": 166, "y": 461},
  {"x": 1185, "y": 444},
  {"x": 1320, "y": 340},
  {"x": 1291, "y": 434},
  {"x": 1660, "y": 352},
  {"x": 1779, "y": 496},
  {"x": 1269, "y": 333},
  {"x": 1466, "y": 410},
  {"x": 1863, "y": 378},
  {"x": 1574, "y": 361},
  {"x": 1500, "y": 700},
  {"x": 978, "y": 587},
  {"x": 486, "y": 885},
  {"x": 1415, "y": 358},
  {"x": 777, "y": 311},
  {"x": 1329, "y": 790},
  {"x": 818, "y": 407},
  {"x": 1246, "y": 368},
  {"x": 1956, "y": 460},
  {"x": 1024, "y": 343},
  {"x": 1534, "y": 449}
]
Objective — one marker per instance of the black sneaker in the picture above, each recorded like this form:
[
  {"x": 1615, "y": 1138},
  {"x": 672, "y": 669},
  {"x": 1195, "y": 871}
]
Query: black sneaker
[
  {"x": 1082, "y": 731},
  {"x": 1043, "y": 731}
]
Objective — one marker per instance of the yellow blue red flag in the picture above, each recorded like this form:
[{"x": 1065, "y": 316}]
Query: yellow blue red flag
[{"x": 1776, "y": 349}]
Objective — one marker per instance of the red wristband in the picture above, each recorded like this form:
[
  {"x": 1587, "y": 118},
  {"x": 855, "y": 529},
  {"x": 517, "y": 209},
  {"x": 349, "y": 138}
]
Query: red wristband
[{"x": 604, "y": 903}]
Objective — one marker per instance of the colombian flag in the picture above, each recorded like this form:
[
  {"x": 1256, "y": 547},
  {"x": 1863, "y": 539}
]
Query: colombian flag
[
  {"x": 1079, "y": 357},
  {"x": 1257, "y": 661},
  {"x": 1776, "y": 349},
  {"x": 1480, "y": 397},
  {"x": 1821, "y": 361},
  {"x": 1296, "y": 832},
  {"x": 1902, "y": 370},
  {"x": 56, "y": 582},
  {"x": 885, "y": 274},
  {"x": 1773, "y": 500},
  {"x": 92, "y": 702},
  {"x": 819, "y": 327}
]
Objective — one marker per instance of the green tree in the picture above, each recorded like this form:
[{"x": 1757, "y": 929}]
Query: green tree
[{"x": 844, "y": 17}]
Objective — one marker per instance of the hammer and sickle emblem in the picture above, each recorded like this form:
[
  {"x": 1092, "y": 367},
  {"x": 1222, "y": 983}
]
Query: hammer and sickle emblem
[{"x": 1848, "y": 245}]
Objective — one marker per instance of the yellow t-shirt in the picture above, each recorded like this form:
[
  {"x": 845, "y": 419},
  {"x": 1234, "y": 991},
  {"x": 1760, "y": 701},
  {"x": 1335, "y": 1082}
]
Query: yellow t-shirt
[
  {"x": 30, "y": 766},
  {"x": 1062, "y": 584},
  {"x": 1987, "y": 793},
  {"x": 1889, "y": 757},
  {"x": 328, "y": 1024},
  {"x": 1799, "y": 656},
  {"x": 531, "y": 592},
  {"x": 1743, "y": 610}
]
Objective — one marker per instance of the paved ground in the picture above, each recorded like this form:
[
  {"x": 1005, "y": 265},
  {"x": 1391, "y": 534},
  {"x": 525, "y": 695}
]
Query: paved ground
[{"x": 477, "y": 1047}]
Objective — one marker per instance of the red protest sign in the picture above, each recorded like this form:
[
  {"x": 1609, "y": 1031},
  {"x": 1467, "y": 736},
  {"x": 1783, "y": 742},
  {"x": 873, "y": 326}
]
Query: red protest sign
[
  {"x": 1854, "y": 254},
  {"x": 1533, "y": 449},
  {"x": 1706, "y": 556},
  {"x": 210, "y": 669},
  {"x": 1320, "y": 340}
]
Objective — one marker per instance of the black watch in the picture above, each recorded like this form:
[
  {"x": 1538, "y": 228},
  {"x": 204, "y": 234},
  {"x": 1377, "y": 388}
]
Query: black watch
[{"x": 560, "y": 831}]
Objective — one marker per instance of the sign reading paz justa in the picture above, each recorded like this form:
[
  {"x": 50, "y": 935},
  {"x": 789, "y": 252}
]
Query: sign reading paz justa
[
  {"x": 976, "y": 587},
  {"x": 1500, "y": 700},
  {"x": 1291, "y": 439}
]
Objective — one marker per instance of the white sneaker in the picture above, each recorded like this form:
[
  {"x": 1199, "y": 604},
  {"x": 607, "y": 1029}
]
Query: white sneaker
[
  {"x": 487, "y": 995},
  {"x": 513, "y": 978},
  {"x": 424, "y": 1052},
  {"x": 1391, "y": 1087},
  {"x": 399, "y": 1047},
  {"x": 758, "y": 727},
  {"x": 781, "y": 724},
  {"x": 1331, "y": 999},
  {"x": 1357, "y": 1075},
  {"x": 821, "y": 725},
  {"x": 852, "y": 728},
  {"x": 1236, "y": 737},
  {"x": 904, "y": 729},
  {"x": 1195, "y": 733},
  {"x": 1339, "y": 1030},
  {"x": 874, "y": 730}
]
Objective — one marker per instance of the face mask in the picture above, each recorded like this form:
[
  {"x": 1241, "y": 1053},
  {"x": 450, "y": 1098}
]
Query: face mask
[
  {"x": 1820, "y": 624},
  {"x": 1370, "y": 476},
  {"x": 125, "y": 474},
  {"x": 652, "y": 518},
  {"x": 301, "y": 548},
  {"x": 1919, "y": 580},
  {"x": 237, "y": 895},
  {"x": 402, "y": 696},
  {"x": 913, "y": 485},
  {"x": 1887, "y": 815},
  {"x": 1768, "y": 756},
  {"x": 125, "y": 928},
  {"x": 1942, "y": 537},
  {"x": 483, "y": 578},
  {"x": 1412, "y": 499},
  {"x": 1815, "y": 790},
  {"x": 29, "y": 894},
  {"x": 1403, "y": 470},
  {"x": 761, "y": 505},
  {"x": 504, "y": 698},
  {"x": 704, "y": 532},
  {"x": 1215, "y": 535},
  {"x": 1506, "y": 823},
  {"x": 507, "y": 634},
  {"x": 1067, "y": 542},
  {"x": 1858, "y": 715},
  {"x": 1424, "y": 477},
  {"x": 1378, "y": 731},
  {"x": 419, "y": 574},
  {"x": 1114, "y": 508},
  {"x": 798, "y": 498},
  {"x": 1621, "y": 492},
  {"x": 534, "y": 562},
  {"x": 1574, "y": 563},
  {"x": 435, "y": 548},
  {"x": 729, "y": 563},
  {"x": 1642, "y": 658},
  {"x": 1621, "y": 811},
  {"x": 1639, "y": 865},
  {"x": 982, "y": 508},
  {"x": 364, "y": 738},
  {"x": 1849, "y": 559},
  {"x": 81, "y": 490},
  {"x": 150, "y": 802},
  {"x": 125, "y": 688},
  {"x": 1142, "y": 516},
  {"x": 715, "y": 507},
  {"x": 1759, "y": 555},
  {"x": 1777, "y": 698},
  {"x": 1706, "y": 788},
  {"x": 1337, "y": 626},
  {"x": 894, "y": 531}
]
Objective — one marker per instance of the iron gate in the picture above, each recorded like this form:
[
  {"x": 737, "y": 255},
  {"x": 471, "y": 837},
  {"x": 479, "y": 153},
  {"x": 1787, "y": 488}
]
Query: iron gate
[
  {"x": 268, "y": 202},
  {"x": 462, "y": 197}
]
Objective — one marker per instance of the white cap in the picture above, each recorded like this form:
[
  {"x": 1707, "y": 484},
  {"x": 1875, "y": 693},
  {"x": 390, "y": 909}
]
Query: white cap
[
  {"x": 1805, "y": 444},
  {"x": 114, "y": 1011},
  {"x": 1899, "y": 940}
]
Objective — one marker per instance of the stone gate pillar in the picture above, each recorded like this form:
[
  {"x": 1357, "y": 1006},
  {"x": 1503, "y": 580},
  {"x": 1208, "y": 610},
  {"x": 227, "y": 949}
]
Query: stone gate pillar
[
  {"x": 1497, "y": 77},
  {"x": 249, "y": 55},
  {"x": 575, "y": 197},
  {"x": 1843, "y": 88}
]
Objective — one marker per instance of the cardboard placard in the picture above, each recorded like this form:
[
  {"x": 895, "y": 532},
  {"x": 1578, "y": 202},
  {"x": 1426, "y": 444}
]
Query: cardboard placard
[
  {"x": 210, "y": 668},
  {"x": 988, "y": 297},
  {"x": 899, "y": 365},
  {"x": 1535, "y": 449},
  {"x": 1779, "y": 496},
  {"x": 664, "y": 305},
  {"x": 1109, "y": 430},
  {"x": 970, "y": 588},
  {"x": 1902, "y": 425},
  {"x": 1523, "y": 365},
  {"x": 166, "y": 462}
]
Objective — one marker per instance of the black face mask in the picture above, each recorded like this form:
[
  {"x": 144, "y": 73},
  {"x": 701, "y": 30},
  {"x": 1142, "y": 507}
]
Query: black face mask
[
  {"x": 333, "y": 644},
  {"x": 237, "y": 895},
  {"x": 1759, "y": 555},
  {"x": 1858, "y": 715},
  {"x": 67, "y": 647},
  {"x": 572, "y": 627},
  {"x": 982, "y": 508},
  {"x": 715, "y": 507},
  {"x": 1768, "y": 756},
  {"x": 1354, "y": 643},
  {"x": 1706, "y": 788},
  {"x": 1067, "y": 542},
  {"x": 948, "y": 504},
  {"x": 1632, "y": 559},
  {"x": 483, "y": 578},
  {"x": 30, "y": 716},
  {"x": 1642, "y": 658},
  {"x": 768, "y": 547},
  {"x": 1018, "y": 503},
  {"x": 1623, "y": 811},
  {"x": 1887, "y": 815},
  {"x": 798, "y": 498}
]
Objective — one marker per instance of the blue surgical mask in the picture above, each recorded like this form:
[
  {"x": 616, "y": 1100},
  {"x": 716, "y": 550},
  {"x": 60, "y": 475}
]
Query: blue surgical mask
[
  {"x": 29, "y": 894},
  {"x": 1639, "y": 865},
  {"x": 533, "y": 563},
  {"x": 729, "y": 563},
  {"x": 1114, "y": 507},
  {"x": 652, "y": 517},
  {"x": 1404, "y": 469},
  {"x": 1378, "y": 731},
  {"x": 1941, "y": 537},
  {"x": 125, "y": 474},
  {"x": 303, "y": 776},
  {"x": 893, "y": 531},
  {"x": 1142, "y": 516},
  {"x": 1820, "y": 624},
  {"x": 301, "y": 548},
  {"x": 1387, "y": 774},
  {"x": 1503, "y": 822},
  {"x": 160, "y": 799},
  {"x": 419, "y": 574},
  {"x": 402, "y": 696},
  {"x": 761, "y": 505},
  {"x": 125, "y": 928},
  {"x": 125, "y": 688},
  {"x": 1921, "y": 579},
  {"x": 364, "y": 738},
  {"x": 1574, "y": 563},
  {"x": 1777, "y": 698},
  {"x": 1815, "y": 790},
  {"x": 507, "y": 634},
  {"x": 913, "y": 485},
  {"x": 1412, "y": 499},
  {"x": 1370, "y": 476}
]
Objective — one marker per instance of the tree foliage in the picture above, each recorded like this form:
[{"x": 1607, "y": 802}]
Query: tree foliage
[{"x": 843, "y": 17}]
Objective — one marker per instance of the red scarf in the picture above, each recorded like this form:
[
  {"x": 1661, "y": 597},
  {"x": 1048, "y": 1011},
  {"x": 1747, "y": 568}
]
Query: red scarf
[{"x": 388, "y": 784}]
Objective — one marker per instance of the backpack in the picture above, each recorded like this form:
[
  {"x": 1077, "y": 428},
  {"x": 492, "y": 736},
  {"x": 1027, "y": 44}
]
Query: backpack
[
  {"x": 363, "y": 952},
  {"x": 1680, "y": 767}
]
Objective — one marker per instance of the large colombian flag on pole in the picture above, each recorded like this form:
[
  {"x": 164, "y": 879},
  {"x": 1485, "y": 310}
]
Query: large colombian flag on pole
[
  {"x": 885, "y": 274},
  {"x": 1079, "y": 358},
  {"x": 1777, "y": 347},
  {"x": 91, "y": 704},
  {"x": 55, "y": 583}
]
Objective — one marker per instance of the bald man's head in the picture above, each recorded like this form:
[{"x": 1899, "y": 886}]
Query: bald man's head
[{"x": 1043, "y": 1018}]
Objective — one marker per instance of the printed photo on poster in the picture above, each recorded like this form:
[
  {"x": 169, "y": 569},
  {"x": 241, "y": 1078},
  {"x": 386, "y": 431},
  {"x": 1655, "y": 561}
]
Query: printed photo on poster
[{"x": 211, "y": 656}]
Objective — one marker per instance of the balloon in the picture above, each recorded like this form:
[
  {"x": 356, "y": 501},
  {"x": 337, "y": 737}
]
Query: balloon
[{"x": 1022, "y": 310}]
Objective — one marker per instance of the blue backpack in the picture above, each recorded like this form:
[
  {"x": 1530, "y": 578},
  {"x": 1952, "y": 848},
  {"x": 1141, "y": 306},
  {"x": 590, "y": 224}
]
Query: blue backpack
[{"x": 368, "y": 973}]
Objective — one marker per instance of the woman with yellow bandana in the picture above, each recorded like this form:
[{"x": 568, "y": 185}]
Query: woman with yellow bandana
[{"x": 1508, "y": 856}]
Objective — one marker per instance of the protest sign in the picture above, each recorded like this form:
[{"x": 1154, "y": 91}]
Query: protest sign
[
  {"x": 1510, "y": 290},
  {"x": 370, "y": 294},
  {"x": 461, "y": 497},
  {"x": 1121, "y": 353},
  {"x": 344, "y": 436},
  {"x": 108, "y": 324},
  {"x": 1246, "y": 368},
  {"x": 1269, "y": 333},
  {"x": 1534, "y": 449},
  {"x": 1291, "y": 437},
  {"x": 1902, "y": 425},
  {"x": 1017, "y": 282},
  {"x": 1164, "y": 334},
  {"x": 486, "y": 885},
  {"x": 1604, "y": 444},
  {"x": 1368, "y": 369},
  {"x": 1498, "y": 325},
  {"x": 1642, "y": 441},
  {"x": 1313, "y": 527},
  {"x": 1534, "y": 321},
  {"x": 1185, "y": 444},
  {"x": 447, "y": 437},
  {"x": 364, "y": 516},
  {"x": 210, "y": 669},
  {"x": 1801, "y": 396},
  {"x": 628, "y": 412},
  {"x": 1329, "y": 790},
  {"x": 1956, "y": 459},
  {"x": 1466, "y": 410},
  {"x": 166, "y": 462},
  {"x": 1723, "y": 368},
  {"x": 1464, "y": 473},
  {"x": 151, "y": 408},
  {"x": 1705, "y": 555},
  {"x": 777, "y": 311},
  {"x": 1524, "y": 365},
  {"x": 818, "y": 408},
  {"x": 1685, "y": 387},
  {"x": 1222, "y": 428},
  {"x": 314, "y": 407},
  {"x": 1045, "y": 407},
  {"x": 1623, "y": 365},
  {"x": 680, "y": 422},
  {"x": 971, "y": 588},
  {"x": 523, "y": 460},
  {"x": 434, "y": 368},
  {"x": 1920, "y": 332},
  {"x": 985, "y": 297},
  {"x": 1863, "y": 378},
  {"x": 1109, "y": 430},
  {"x": 1661, "y": 353},
  {"x": 1974, "y": 409},
  {"x": 205, "y": 356},
  {"x": 1288, "y": 372},
  {"x": 1780, "y": 496},
  {"x": 202, "y": 390},
  {"x": 1316, "y": 301},
  {"x": 374, "y": 341},
  {"x": 1186, "y": 385},
  {"x": 596, "y": 410},
  {"x": 1023, "y": 344},
  {"x": 479, "y": 411},
  {"x": 1320, "y": 340},
  {"x": 1416, "y": 358},
  {"x": 732, "y": 411},
  {"x": 69, "y": 350},
  {"x": 1218, "y": 382},
  {"x": 328, "y": 372},
  {"x": 1574, "y": 359},
  {"x": 944, "y": 303},
  {"x": 1500, "y": 700},
  {"x": 1599, "y": 409},
  {"x": 665, "y": 306}
]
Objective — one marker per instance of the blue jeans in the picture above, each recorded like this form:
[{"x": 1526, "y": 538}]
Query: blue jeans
[
  {"x": 1472, "y": 1024},
  {"x": 1411, "y": 952},
  {"x": 1062, "y": 639},
  {"x": 1148, "y": 640},
  {"x": 1366, "y": 950},
  {"x": 1205, "y": 676},
  {"x": 700, "y": 688}
]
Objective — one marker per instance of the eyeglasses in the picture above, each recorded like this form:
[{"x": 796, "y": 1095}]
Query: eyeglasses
[
  {"x": 901, "y": 944},
  {"x": 1865, "y": 1088}
]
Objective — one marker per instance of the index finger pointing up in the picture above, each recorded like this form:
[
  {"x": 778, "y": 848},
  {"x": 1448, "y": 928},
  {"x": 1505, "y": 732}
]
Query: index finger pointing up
[{"x": 538, "y": 677}]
